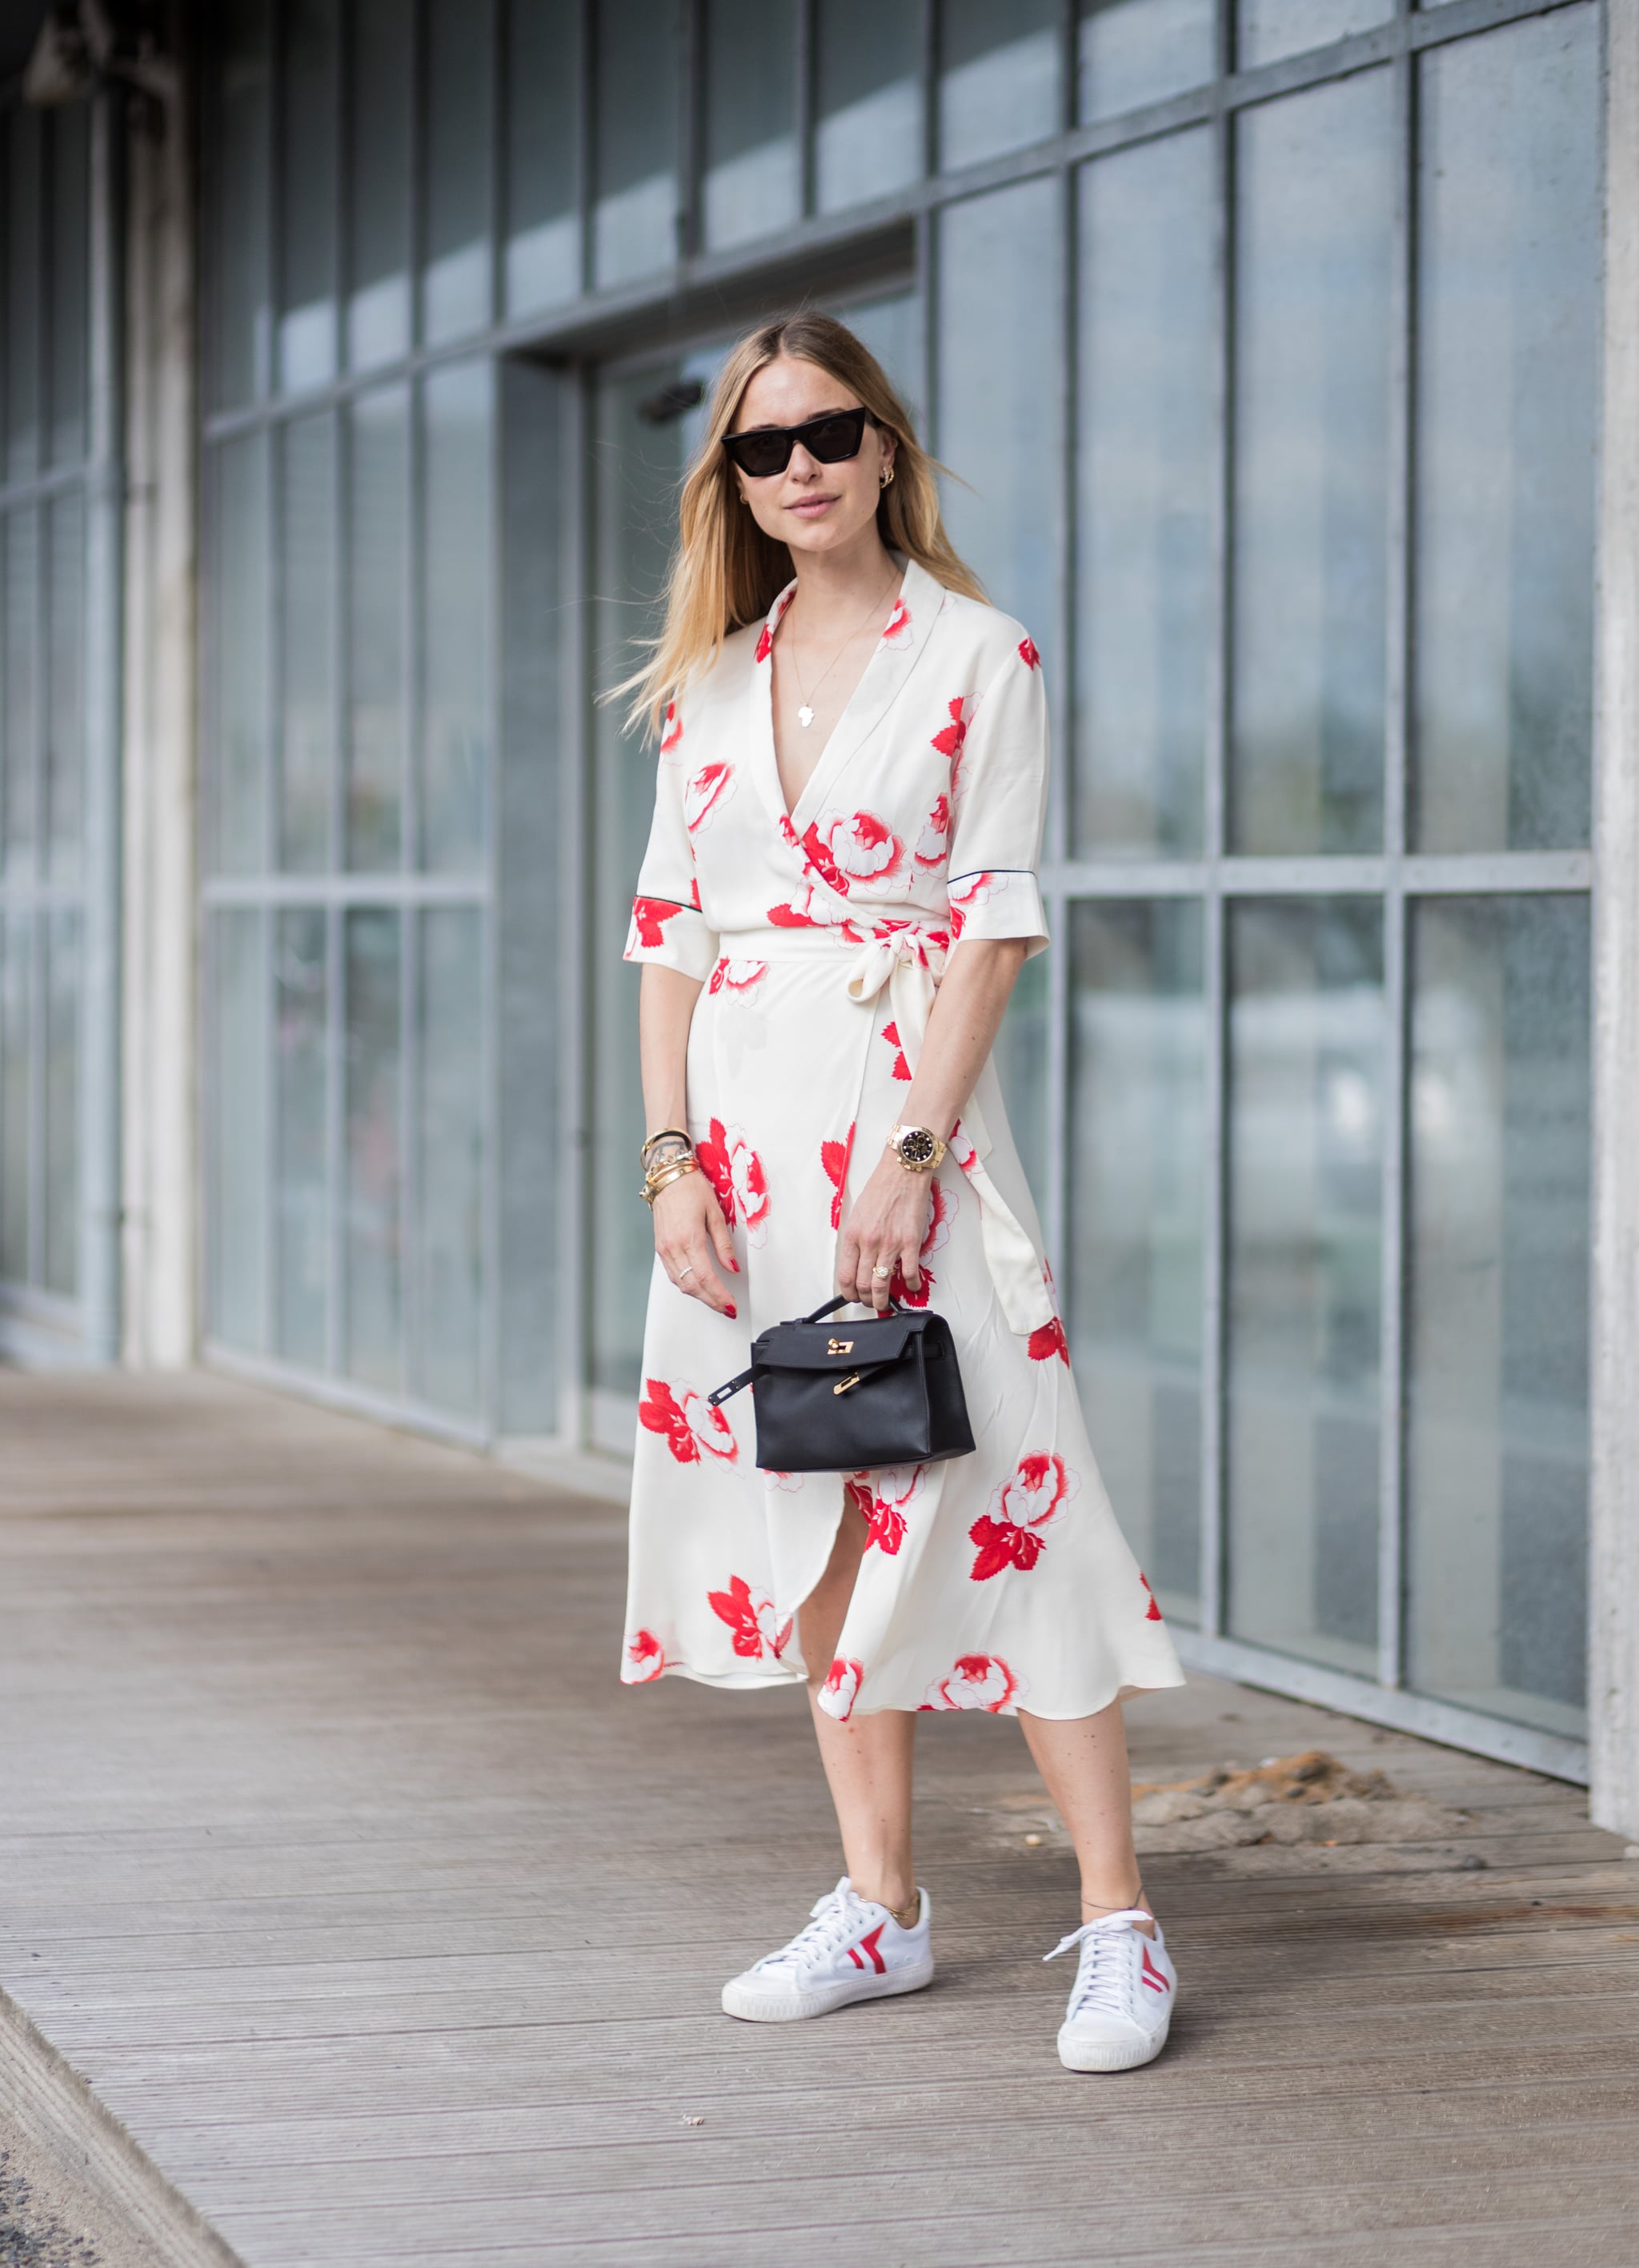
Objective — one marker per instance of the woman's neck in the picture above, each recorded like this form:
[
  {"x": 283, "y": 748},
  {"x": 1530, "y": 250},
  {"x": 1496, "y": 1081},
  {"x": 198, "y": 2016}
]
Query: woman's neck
[{"x": 833, "y": 586}]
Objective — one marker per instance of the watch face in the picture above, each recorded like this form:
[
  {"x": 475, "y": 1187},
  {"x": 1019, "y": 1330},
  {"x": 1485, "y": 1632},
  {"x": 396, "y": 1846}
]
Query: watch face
[{"x": 916, "y": 1145}]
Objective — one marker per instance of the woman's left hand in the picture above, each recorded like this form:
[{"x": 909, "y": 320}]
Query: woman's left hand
[{"x": 885, "y": 1227}]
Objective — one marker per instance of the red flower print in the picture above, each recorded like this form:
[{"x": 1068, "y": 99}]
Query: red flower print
[
  {"x": 751, "y": 1618},
  {"x": 899, "y": 1289},
  {"x": 735, "y": 1172},
  {"x": 891, "y": 1033},
  {"x": 1002, "y": 1545},
  {"x": 948, "y": 741},
  {"x": 649, "y": 914},
  {"x": 813, "y": 913},
  {"x": 1049, "y": 1340},
  {"x": 1027, "y": 653},
  {"x": 765, "y": 644},
  {"x": 837, "y": 1695},
  {"x": 1022, "y": 1505},
  {"x": 898, "y": 1487},
  {"x": 961, "y": 1149},
  {"x": 856, "y": 1488},
  {"x": 643, "y": 1659},
  {"x": 1152, "y": 1612},
  {"x": 788, "y": 1484},
  {"x": 711, "y": 787},
  {"x": 941, "y": 1213},
  {"x": 738, "y": 977},
  {"x": 897, "y": 629},
  {"x": 712, "y": 1155},
  {"x": 694, "y": 893},
  {"x": 934, "y": 840},
  {"x": 672, "y": 729},
  {"x": 843, "y": 849},
  {"x": 689, "y": 1424},
  {"x": 834, "y": 1156},
  {"x": 976, "y": 1681}
]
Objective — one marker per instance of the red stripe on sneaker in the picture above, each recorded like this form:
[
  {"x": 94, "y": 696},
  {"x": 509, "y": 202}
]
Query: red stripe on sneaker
[
  {"x": 869, "y": 1945},
  {"x": 1153, "y": 1975},
  {"x": 853, "y": 1955}
]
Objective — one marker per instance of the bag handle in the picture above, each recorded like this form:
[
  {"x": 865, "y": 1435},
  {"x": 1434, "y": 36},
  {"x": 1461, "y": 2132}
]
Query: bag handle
[{"x": 731, "y": 1385}]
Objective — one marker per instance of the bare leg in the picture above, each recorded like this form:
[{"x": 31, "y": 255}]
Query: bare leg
[
  {"x": 868, "y": 1760},
  {"x": 1084, "y": 1761}
]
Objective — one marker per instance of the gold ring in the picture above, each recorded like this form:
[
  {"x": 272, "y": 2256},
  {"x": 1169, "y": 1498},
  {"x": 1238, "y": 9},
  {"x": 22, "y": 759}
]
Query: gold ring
[{"x": 881, "y": 1271}]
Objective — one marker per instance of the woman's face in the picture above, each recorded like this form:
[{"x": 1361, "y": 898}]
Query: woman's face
[{"x": 810, "y": 506}]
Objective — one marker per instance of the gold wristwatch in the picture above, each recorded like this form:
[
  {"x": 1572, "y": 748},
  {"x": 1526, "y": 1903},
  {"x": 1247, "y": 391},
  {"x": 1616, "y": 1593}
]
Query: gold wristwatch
[{"x": 918, "y": 1148}]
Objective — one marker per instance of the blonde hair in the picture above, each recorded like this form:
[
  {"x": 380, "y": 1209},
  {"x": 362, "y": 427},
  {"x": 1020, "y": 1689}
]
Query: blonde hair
[{"x": 725, "y": 572}]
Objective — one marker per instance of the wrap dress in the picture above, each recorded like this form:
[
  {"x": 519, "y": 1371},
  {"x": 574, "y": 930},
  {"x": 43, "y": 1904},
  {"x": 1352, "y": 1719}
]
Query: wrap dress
[{"x": 819, "y": 936}]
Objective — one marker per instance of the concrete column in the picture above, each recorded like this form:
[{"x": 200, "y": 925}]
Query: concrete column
[
  {"x": 160, "y": 1139},
  {"x": 1613, "y": 1662}
]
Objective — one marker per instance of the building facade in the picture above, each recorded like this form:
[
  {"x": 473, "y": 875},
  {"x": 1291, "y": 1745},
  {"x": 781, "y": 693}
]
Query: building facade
[{"x": 1282, "y": 353}]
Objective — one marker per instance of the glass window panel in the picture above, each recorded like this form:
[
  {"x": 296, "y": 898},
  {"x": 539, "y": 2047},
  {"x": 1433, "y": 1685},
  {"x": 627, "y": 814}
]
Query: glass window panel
[
  {"x": 61, "y": 1161},
  {"x": 307, "y": 657},
  {"x": 451, "y": 1157},
  {"x": 1138, "y": 51},
  {"x": 240, "y": 1062},
  {"x": 1148, "y": 411},
  {"x": 17, "y": 938},
  {"x": 868, "y": 127},
  {"x": 240, "y": 301},
  {"x": 70, "y": 130},
  {"x": 1312, "y": 425},
  {"x": 380, "y": 197},
  {"x": 1508, "y": 204},
  {"x": 543, "y": 76},
  {"x": 998, "y": 78},
  {"x": 1306, "y": 1039},
  {"x": 19, "y": 690},
  {"x": 65, "y": 716},
  {"x": 237, "y": 653},
  {"x": 460, "y": 132},
  {"x": 1138, "y": 1040},
  {"x": 636, "y": 76},
  {"x": 1268, "y": 29},
  {"x": 24, "y": 297},
  {"x": 375, "y": 1324},
  {"x": 892, "y": 330},
  {"x": 455, "y": 582},
  {"x": 753, "y": 179},
  {"x": 301, "y": 1211},
  {"x": 1497, "y": 1435},
  {"x": 378, "y": 532},
  {"x": 1021, "y": 1063},
  {"x": 999, "y": 426},
  {"x": 307, "y": 214}
]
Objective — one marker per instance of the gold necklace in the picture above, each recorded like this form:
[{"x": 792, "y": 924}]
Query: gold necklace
[{"x": 804, "y": 708}]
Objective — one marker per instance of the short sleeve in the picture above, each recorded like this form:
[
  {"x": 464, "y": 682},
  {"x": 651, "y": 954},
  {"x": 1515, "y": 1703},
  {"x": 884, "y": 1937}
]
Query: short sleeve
[
  {"x": 1000, "y": 799},
  {"x": 667, "y": 927}
]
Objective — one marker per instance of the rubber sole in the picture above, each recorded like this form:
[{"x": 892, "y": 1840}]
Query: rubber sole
[
  {"x": 756, "y": 2004},
  {"x": 1093, "y": 2055}
]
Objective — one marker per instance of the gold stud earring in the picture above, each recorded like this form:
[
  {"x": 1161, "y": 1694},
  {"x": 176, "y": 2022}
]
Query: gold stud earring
[{"x": 887, "y": 476}]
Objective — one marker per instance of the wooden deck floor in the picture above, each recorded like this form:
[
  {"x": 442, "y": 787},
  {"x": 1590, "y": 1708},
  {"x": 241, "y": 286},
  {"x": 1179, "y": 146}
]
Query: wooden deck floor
[{"x": 393, "y": 1928}]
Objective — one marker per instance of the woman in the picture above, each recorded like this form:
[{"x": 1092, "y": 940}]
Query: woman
[{"x": 838, "y": 895}]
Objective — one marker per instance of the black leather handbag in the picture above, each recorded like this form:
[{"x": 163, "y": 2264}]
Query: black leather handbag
[{"x": 843, "y": 1397}]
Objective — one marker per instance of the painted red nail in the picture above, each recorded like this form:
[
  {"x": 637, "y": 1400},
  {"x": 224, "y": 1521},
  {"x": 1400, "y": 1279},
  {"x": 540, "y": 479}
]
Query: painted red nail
[{"x": 731, "y": 1312}]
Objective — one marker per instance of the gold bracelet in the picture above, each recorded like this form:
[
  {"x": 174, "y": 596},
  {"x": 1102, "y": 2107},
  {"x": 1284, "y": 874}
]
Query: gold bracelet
[
  {"x": 665, "y": 1133},
  {"x": 663, "y": 1176}
]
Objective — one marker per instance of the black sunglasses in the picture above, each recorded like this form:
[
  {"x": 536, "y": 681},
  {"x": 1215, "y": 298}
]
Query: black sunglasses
[{"x": 768, "y": 450}]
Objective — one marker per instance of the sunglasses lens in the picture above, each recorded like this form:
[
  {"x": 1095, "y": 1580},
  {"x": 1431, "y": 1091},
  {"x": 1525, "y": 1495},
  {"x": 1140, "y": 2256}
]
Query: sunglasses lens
[
  {"x": 832, "y": 439},
  {"x": 759, "y": 455}
]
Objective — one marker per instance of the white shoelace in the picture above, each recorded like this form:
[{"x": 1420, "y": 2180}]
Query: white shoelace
[
  {"x": 1100, "y": 1983},
  {"x": 835, "y": 1915}
]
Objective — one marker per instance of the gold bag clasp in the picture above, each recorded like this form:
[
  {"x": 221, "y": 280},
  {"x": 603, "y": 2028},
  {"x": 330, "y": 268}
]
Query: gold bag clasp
[
  {"x": 839, "y": 1346},
  {"x": 842, "y": 1384}
]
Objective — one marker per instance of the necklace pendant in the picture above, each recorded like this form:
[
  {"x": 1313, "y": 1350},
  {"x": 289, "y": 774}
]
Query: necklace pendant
[{"x": 804, "y": 715}]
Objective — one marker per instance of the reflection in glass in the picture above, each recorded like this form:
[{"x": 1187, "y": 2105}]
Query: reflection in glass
[
  {"x": 22, "y": 130},
  {"x": 1266, "y": 29},
  {"x": 1137, "y": 51},
  {"x": 1497, "y": 1440},
  {"x": 634, "y": 102},
  {"x": 377, "y": 523},
  {"x": 241, "y": 297},
  {"x": 892, "y": 330},
  {"x": 17, "y": 937},
  {"x": 999, "y": 329},
  {"x": 70, "y": 256},
  {"x": 998, "y": 78},
  {"x": 868, "y": 99},
  {"x": 61, "y": 1145},
  {"x": 308, "y": 214},
  {"x": 307, "y": 644},
  {"x": 1146, "y": 418},
  {"x": 300, "y": 1194},
  {"x": 239, "y": 1164},
  {"x": 373, "y": 1167},
  {"x": 753, "y": 180},
  {"x": 1138, "y": 1107},
  {"x": 378, "y": 254},
  {"x": 1021, "y": 1065},
  {"x": 455, "y": 575},
  {"x": 455, "y": 279},
  {"x": 1312, "y": 425},
  {"x": 542, "y": 83},
  {"x": 65, "y": 715},
  {"x": 1306, "y": 1046},
  {"x": 452, "y": 1176},
  {"x": 19, "y": 691},
  {"x": 1508, "y": 203},
  {"x": 237, "y": 651}
]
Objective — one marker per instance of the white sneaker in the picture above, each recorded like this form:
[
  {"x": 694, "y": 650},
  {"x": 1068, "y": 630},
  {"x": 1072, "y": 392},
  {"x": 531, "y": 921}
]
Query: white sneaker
[
  {"x": 852, "y": 1949},
  {"x": 1120, "y": 2005}
]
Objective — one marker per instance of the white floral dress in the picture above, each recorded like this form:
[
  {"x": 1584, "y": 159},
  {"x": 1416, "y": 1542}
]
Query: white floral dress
[{"x": 819, "y": 936}]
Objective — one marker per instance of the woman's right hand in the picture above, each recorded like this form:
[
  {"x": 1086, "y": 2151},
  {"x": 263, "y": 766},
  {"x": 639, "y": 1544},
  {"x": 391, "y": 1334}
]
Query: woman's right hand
[{"x": 689, "y": 1228}]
